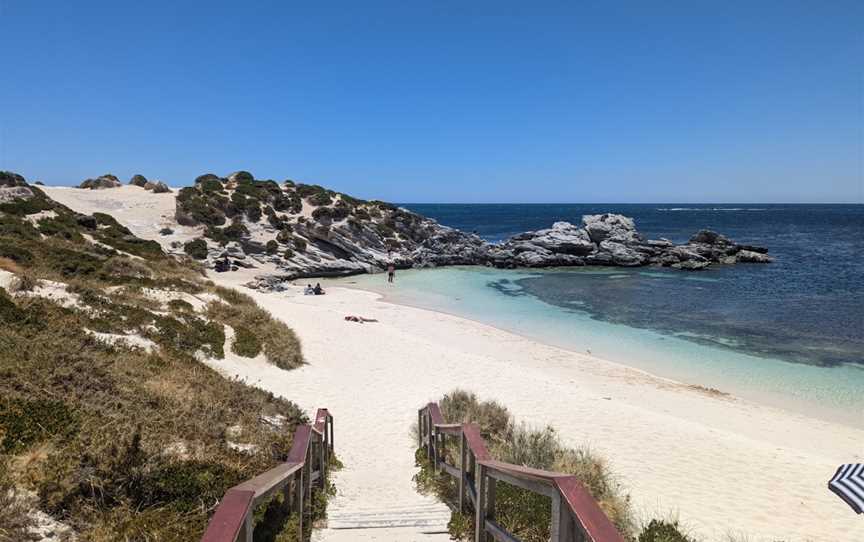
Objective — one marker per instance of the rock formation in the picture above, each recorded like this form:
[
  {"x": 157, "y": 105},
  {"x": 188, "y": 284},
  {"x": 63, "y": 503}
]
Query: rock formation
[{"x": 307, "y": 231}]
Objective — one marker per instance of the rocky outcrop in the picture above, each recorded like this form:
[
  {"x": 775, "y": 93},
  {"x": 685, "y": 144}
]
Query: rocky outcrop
[
  {"x": 611, "y": 239},
  {"x": 101, "y": 182},
  {"x": 307, "y": 231}
]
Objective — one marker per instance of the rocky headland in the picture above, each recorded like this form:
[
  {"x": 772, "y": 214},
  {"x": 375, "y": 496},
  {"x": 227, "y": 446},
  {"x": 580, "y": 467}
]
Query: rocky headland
[{"x": 307, "y": 231}]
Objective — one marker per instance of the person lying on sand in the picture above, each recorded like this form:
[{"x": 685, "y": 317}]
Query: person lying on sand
[{"x": 352, "y": 318}]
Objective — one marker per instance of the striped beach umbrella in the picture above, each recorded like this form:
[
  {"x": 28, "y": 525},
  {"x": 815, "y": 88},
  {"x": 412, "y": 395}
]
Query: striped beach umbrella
[{"x": 848, "y": 484}]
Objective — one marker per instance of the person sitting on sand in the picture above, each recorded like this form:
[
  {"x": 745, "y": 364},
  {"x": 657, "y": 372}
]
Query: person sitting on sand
[
  {"x": 318, "y": 290},
  {"x": 309, "y": 290}
]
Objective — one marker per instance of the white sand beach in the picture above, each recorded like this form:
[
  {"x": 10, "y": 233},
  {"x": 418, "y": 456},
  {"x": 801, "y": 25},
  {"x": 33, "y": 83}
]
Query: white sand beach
[{"x": 721, "y": 464}]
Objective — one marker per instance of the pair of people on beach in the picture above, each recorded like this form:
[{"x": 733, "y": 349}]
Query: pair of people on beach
[{"x": 317, "y": 290}]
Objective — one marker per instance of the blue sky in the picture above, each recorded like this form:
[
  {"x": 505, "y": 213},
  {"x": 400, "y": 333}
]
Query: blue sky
[{"x": 445, "y": 101}]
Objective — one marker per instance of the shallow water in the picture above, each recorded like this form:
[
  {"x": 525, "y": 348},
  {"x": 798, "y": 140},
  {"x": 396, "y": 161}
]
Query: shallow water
[{"x": 499, "y": 298}]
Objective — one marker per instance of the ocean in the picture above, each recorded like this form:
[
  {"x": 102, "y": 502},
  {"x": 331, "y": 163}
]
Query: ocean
[{"x": 789, "y": 333}]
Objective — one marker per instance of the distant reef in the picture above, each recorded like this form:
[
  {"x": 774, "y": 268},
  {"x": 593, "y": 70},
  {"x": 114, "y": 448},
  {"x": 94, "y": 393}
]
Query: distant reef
[{"x": 310, "y": 231}]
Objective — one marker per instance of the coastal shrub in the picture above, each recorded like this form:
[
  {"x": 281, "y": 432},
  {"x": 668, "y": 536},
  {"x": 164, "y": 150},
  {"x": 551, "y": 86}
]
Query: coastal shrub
[
  {"x": 188, "y": 334},
  {"x": 659, "y": 530},
  {"x": 246, "y": 343},
  {"x": 361, "y": 214},
  {"x": 272, "y": 247},
  {"x": 179, "y": 305},
  {"x": 320, "y": 198},
  {"x": 280, "y": 344},
  {"x": 323, "y": 214},
  {"x": 197, "y": 248},
  {"x": 340, "y": 211},
  {"x": 166, "y": 231},
  {"x": 25, "y": 422},
  {"x": 63, "y": 225},
  {"x": 299, "y": 244},
  {"x": 17, "y": 254}
]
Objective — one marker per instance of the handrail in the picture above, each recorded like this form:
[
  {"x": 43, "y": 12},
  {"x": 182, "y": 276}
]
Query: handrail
[
  {"x": 576, "y": 516},
  {"x": 305, "y": 466}
]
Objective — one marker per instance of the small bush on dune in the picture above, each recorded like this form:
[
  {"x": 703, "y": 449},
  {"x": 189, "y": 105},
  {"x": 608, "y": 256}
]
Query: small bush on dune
[
  {"x": 196, "y": 248},
  {"x": 659, "y": 530},
  {"x": 280, "y": 344},
  {"x": 246, "y": 344}
]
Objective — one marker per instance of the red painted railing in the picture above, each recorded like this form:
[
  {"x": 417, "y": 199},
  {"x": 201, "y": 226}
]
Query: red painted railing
[
  {"x": 576, "y": 516},
  {"x": 304, "y": 470}
]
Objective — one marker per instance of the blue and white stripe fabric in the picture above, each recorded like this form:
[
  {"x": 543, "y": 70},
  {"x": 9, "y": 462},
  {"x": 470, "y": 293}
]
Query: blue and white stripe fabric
[{"x": 848, "y": 484}]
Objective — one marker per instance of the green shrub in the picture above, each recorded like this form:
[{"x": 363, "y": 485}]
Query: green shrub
[
  {"x": 246, "y": 343},
  {"x": 322, "y": 213},
  {"x": 659, "y": 530},
  {"x": 319, "y": 199},
  {"x": 26, "y": 422},
  {"x": 288, "y": 254},
  {"x": 272, "y": 247},
  {"x": 15, "y": 253},
  {"x": 179, "y": 305},
  {"x": 196, "y": 248},
  {"x": 299, "y": 244},
  {"x": 188, "y": 485}
]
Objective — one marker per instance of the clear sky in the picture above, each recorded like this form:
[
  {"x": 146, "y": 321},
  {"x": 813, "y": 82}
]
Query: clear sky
[{"x": 445, "y": 101}]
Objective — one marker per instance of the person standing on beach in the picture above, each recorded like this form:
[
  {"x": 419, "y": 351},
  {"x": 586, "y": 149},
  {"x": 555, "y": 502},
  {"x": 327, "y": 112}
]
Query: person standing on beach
[{"x": 391, "y": 273}]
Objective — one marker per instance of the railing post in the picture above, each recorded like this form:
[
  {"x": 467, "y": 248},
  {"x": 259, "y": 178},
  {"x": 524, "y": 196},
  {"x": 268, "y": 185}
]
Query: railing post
[
  {"x": 437, "y": 449},
  {"x": 419, "y": 428},
  {"x": 480, "y": 504},
  {"x": 556, "y": 519},
  {"x": 322, "y": 454},
  {"x": 429, "y": 435},
  {"x": 299, "y": 501},
  {"x": 462, "y": 474}
]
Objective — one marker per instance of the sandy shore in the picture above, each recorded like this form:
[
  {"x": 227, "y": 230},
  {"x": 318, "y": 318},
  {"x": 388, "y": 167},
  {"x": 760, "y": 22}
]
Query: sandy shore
[{"x": 721, "y": 464}]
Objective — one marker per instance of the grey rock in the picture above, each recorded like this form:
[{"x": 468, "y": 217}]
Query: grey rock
[{"x": 749, "y": 256}]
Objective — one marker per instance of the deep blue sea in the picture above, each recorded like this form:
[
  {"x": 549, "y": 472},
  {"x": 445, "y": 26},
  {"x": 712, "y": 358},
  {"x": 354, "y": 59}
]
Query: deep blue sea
[{"x": 793, "y": 330}]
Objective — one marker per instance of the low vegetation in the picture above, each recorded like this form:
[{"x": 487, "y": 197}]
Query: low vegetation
[
  {"x": 522, "y": 512},
  {"x": 109, "y": 421}
]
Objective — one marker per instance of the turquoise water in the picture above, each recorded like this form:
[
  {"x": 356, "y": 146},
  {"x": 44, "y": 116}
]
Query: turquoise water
[{"x": 502, "y": 298}]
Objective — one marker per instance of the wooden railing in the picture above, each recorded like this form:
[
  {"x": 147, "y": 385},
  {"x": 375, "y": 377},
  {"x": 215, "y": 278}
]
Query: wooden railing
[
  {"x": 304, "y": 469},
  {"x": 576, "y": 516}
]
